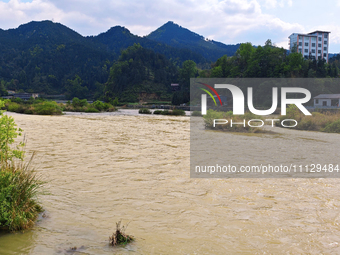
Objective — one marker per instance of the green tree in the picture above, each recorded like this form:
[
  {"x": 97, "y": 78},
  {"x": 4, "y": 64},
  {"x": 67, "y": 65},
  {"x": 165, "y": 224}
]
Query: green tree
[
  {"x": 75, "y": 88},
  {"x": 8, "y": 132},
  {"x": 188, "y": 70}
]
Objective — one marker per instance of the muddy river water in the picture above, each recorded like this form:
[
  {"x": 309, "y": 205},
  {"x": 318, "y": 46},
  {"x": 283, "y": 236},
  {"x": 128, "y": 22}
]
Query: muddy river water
[{"x": 101, "y": 169}]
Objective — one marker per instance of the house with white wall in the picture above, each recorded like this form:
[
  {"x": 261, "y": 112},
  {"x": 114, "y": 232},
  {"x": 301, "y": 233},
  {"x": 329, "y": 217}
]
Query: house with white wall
[{"x": 327, "y": 100}]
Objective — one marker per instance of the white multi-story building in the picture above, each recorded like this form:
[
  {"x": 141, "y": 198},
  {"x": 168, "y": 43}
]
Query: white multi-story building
[{"x": 312, "y": 45}]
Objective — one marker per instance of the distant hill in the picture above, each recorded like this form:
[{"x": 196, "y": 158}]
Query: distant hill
[
  {"x": 51, "y": 58},
  {"x": 179, "y": 37},
  {"x": 118, "y": 38}
]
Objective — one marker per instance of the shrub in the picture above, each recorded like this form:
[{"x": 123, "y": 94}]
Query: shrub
[
  {"x": 157, "y": 112},
  {"x": 91, "y": 109},
  {"x": 15, "y": 107},
  {"x": 333, "y": 127},
  {"x": 177, "y": 112},
  {"x": 144, "y": 111},
  {"x": 76, "y": 102},
  {"x": 47, "y": 108},
  {"x": 19, "y": 185}
]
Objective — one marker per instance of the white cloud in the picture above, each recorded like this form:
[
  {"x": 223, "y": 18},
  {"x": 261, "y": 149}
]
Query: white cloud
[
  {"x": 269, "y": 4},
  {"x": 226, "y": 20}
]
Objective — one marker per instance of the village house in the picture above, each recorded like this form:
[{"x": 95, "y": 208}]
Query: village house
[{"x": 327, "y": 100}]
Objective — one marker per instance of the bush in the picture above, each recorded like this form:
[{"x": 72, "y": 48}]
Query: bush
[
  {"x": 47, "y": 108},
  {"x": 15, "y": 107},
  {"x": 19, "y": 188},
  {"x": 144, "y": 111},
  {"x": 333, "y": 127},
  {"x": 19, "y": 185},
  {"x": 177, "y": 112},
  {"x": 91, "y": 109},
  {"x": 157, "y": 112},
  {"x": 76, "y": 102}
]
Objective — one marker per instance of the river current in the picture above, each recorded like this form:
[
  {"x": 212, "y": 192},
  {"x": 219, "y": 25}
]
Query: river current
[{"x": 102, "y": 168}]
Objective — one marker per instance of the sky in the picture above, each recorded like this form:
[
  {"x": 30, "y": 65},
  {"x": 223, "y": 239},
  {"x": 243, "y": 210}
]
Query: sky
[{"x": 226, "y": 21}]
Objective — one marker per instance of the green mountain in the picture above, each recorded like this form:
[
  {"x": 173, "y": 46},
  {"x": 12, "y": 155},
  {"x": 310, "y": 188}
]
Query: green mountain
[
  {"x": 48, "y": 57},
  {"x": 179, "y": 37},
  {"x": 118, "y": 38},
  {"x": 44, "y": 56}
]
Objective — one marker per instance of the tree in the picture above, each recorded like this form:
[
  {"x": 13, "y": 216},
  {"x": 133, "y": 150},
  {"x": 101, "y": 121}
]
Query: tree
[
  {"x": 187, "y": 71},
  {"x": 75, "y": 88},
  {"x": 8, "y": 132}
]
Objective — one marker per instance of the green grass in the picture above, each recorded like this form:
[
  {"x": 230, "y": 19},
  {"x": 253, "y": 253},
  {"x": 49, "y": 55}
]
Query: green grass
[
  {"x": 325, "y": 122},
  {"x": 19, "y": 184},
  {"x": 19, "y": 187}
]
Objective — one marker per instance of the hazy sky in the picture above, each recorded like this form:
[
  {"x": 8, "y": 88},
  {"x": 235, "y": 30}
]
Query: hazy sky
[{"x": 227, "y": 21}]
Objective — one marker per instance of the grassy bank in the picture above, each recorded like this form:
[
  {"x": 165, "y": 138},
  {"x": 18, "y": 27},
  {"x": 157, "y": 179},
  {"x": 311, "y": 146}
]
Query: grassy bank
[
  {"x": 19, "y": 185},
  {"x": 325, "y": 122}
]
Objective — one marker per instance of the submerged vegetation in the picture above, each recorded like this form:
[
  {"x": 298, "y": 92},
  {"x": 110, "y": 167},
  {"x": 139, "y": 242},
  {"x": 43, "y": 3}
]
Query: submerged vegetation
[
  {"x": 326, "y": 122},
  {"x": 119, "y": 237},
  {"x": 174, "y": 112},
  {"x": 144, "y": 111},
  {"x": 42, "y": 107},
  {"x": 19, "y": 184}
]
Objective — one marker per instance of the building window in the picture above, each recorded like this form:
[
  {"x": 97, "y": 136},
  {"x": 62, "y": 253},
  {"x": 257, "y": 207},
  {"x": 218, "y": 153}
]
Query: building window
[
  {"x": 313, "y": 39},
  {"x": 324, "y": 48},
  {"x": 324, "y": 54},
  {"x": 325, "y": 35},
  {"x": 316, "y": 101},
  {"x": 320, "y": 39},
  {"x": 300, "y": 50},
  {"x": 313, "y": 51},
  {"x": 300, "y": 43},
  {"x": 306, "y": 50},
  {"x": 325, "y": 42},
  {"x": 306, "y": 43},
  {"x": 324, "y": 103},
  {"x": 313, "y": 44},
  {"x": 319, "y": 45},
  {"x": 319, "y": 51}
]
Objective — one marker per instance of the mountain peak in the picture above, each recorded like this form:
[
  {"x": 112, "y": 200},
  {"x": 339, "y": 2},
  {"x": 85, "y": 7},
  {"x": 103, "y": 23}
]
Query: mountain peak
[{"x": 171, "y": 31}]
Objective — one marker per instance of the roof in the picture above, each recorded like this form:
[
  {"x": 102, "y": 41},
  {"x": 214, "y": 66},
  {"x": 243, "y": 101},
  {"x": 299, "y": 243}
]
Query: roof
[
  {"x": 319, "y": 31},
  {"x": 328, "y": 96}
]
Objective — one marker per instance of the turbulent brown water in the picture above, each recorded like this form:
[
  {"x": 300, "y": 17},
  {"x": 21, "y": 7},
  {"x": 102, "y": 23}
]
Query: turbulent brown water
[{"x": 101, "y": 169}]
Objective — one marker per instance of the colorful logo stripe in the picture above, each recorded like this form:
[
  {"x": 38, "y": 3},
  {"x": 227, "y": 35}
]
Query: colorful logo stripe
[
  {"x": 208, "y": 86},
  {"x": 209, "y": 95}
]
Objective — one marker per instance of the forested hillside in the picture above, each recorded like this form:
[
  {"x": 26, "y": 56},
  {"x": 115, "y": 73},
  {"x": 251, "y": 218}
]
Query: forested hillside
[
  {"x": 179, "y": 37},
  {"x": 139, "y": 70}
]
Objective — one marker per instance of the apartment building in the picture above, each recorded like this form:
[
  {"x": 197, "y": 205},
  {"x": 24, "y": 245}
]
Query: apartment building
[{"x": 313, "y": 45}]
